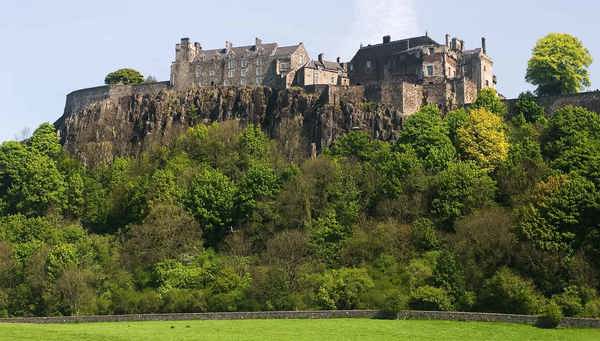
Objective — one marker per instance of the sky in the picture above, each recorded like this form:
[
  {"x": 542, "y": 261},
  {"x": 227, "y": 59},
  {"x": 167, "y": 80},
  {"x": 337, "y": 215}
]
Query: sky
[{"x": 50, "y": 48}]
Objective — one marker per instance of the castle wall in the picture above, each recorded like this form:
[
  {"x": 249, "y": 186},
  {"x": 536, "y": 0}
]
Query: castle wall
[
  {"x": 79, "y": 99},
  {"x": 589, "y": 100}
]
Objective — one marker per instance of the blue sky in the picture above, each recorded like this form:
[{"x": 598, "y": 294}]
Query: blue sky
[{"x": 50, "y": 48}]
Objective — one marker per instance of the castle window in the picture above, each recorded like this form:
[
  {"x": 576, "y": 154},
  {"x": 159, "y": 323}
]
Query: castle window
[
  {"x": 231, "y": 64},
  {"x": 369, "y": 64},
  {"x": 351, "y": 67},
  {"x": 431, "y": 50},
  {"x": 258, "y": 61},
  {"x": 242, "y": 81},
  {"x": 487, "y": 83},
  {"x": 258, "y": 71},
  {"x": 429, "y": 70},
  {"x": 211, "y": 73},
  {"x": 284, "y": 66},
  {"x": 301, "y": 59},
  {"x": 244, "y": 63},
  {"x": 231, "y": 72},
  {"x": 259, "y": 80},
  {"x": 333, "y": 80},
  {"x": 243, "y": 72}
]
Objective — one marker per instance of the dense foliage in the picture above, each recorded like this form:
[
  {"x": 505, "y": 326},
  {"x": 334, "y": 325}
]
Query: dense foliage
[
  {"x": 559, "y": 65},
  {"x": 124, "y": 76},
  {"x": 480, "y": 209}
]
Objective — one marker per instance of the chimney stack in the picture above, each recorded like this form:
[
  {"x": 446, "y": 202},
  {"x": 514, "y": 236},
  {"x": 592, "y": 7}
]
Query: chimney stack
[
  {"x": 228, "y": 45},
  {"x": 447, "y": 40},
  {"x": 483, "y": 47},
  {"x": 387, "y": 39},
  {"x": 321, "y": 58},
  {"x": 257, "y": 42},
  {"x": 339, "y": 60}
]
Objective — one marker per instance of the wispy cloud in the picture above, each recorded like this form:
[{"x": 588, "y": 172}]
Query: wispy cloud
[{"x": 375, "y": 18}]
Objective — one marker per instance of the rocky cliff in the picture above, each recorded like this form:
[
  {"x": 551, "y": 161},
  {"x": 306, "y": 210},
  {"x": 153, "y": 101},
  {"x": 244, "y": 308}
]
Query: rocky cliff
[{"x": 101, "y": 123}]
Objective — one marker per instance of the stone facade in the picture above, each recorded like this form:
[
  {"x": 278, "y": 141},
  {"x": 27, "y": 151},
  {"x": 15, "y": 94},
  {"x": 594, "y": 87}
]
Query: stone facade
[
  {"x": 446, "y": 75},
  {"x": 323, "y": 72},
  {"x": 261, "y": 64}
]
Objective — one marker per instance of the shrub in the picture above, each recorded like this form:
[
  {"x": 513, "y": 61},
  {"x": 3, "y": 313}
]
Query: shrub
[
  {"x": 569, "y": 301},
  {"x": 550, "y": 317},
  {"x": 395, "y": 301},
  {"x": 507, "y": 292},
  {"x": 591, "y": 309},
  {"x": 430, "y": 298}
]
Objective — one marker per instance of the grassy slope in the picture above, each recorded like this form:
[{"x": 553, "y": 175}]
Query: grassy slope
[{"x": 297, "y": 330}]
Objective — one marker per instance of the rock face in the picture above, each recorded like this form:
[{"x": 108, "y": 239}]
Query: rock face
[{"x": 102, "y": 123}]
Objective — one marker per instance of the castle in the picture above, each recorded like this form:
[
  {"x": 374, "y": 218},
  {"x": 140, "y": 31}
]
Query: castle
[{"x": 404, "y": 74}]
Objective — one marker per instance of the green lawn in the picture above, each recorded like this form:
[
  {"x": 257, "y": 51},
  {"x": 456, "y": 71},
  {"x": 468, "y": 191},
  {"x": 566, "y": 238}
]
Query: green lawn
[{"x": 297, "y": 330}]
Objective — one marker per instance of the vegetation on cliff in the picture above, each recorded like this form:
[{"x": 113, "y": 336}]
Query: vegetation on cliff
[{"x": 476, "y": 210}]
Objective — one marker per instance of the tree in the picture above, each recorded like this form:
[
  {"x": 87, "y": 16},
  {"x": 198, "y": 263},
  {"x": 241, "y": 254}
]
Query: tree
[
  {"x": 210, "y": 199},
  {"x": 124, "y": 76},
  {"x": 488, "y": 99},
  {"x": 482, "y": 138},
  {"x": 562, "y": 213},
  {"x": 559, "y": 65},
  {"x": 45, "y": 141},
  {"x": 460, "y": 189},
  {"x": 507, "y": 292},
  {"x": 528, "y": 107},
  {"x": 30, "y": 182},
  {"x": 343, "y": 288},
  {"x": 427, "y": 134},
  {"x": 356, "y": 144},
  {"x": 167, "y": 232}
]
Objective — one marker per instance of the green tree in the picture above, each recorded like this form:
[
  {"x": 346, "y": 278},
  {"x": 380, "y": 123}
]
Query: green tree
[
  {"x": 343, "y": 288},
  {"x": 528, "y": 107},
  {"x": 356, "y": 144},
  {"x": 507, "y": 292},
  {"x": 562, "y": 213},
  {"x": 460, "y": 189},
  {"x": 30, "y": 182},
  {"x": 558, "y": 65},
  {"x": 488, "y": 99},
  {"x": 124, "y": 76},
  {"x": 482, "y": 138},
  {"x": 210, "y": 199},
  {"x": 45, "y": 141},
  {"x": 427, "y": 134}
]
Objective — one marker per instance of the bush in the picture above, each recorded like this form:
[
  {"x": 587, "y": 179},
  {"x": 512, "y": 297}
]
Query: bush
[
  {"x": 591, "y": 309},
  {"x": 395, "y": 302},
  {"x": 506, "y": 292},
  {"x": 569, "y": 301},
  {"x": 550, "y": 317},
  {"x": 430, "y": 298}
]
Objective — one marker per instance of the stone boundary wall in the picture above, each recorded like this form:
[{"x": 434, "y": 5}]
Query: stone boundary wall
[{"x": 568, "y": 322}]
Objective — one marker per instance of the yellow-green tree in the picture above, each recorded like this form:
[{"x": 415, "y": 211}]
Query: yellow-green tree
[
  {"x": 559, "y": 65},
  {"x": 482, "y": 138}
]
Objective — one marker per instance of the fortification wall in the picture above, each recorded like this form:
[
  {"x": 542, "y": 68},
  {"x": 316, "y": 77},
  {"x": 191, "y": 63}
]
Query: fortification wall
[
  {"x": 79, "y": 99},
  {"x": 588, "y": 100}
]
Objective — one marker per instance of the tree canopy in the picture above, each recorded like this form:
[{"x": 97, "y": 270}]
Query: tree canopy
[
  {"x": 559, "y": 65},
  {"x": 124, "y": 76}
]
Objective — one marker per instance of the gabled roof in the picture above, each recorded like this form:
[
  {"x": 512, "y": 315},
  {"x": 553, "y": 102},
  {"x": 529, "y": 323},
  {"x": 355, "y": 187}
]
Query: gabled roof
[
  {"x": 327, "y": 65},
  {"x": 395, "y": 47},
  {"x": 266, "y": 48}
]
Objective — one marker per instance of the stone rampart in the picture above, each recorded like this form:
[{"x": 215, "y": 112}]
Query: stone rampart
[
  {"x": 589, "y": 100},
  {"x": 79, "y": 99}
]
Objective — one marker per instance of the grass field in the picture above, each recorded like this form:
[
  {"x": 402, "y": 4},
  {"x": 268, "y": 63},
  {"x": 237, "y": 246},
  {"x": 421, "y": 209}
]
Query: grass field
[{"x": 296, "y": 330}]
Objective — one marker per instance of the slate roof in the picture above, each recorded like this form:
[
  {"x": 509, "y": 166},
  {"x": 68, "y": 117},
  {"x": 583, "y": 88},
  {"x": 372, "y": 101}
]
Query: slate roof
[
  {"x": 267, "y": 48},
  {"x": 327, "y": 65},
  {"x": 394, "y": 47}
]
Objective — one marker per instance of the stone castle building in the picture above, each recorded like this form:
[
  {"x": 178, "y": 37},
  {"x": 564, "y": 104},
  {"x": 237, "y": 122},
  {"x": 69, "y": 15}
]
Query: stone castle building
[
  {"x": 261, "y": 64},
  {"x": 404, "y": 73},
  {"x": 421, "y": 71}
]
